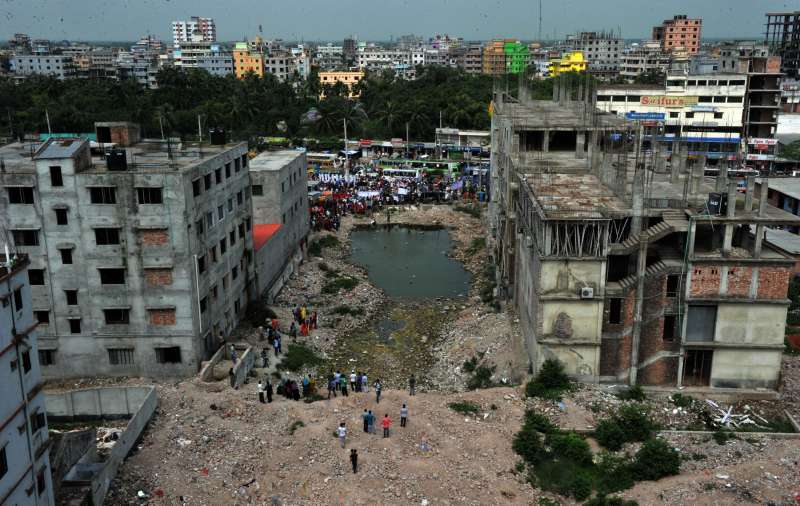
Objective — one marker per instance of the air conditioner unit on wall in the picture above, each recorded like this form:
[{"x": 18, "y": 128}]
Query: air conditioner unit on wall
[{"x": 587, "y": 292}]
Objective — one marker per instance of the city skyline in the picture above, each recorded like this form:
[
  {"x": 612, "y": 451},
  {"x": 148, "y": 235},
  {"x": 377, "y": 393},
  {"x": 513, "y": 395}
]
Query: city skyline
[{"x": 319, "y": 21}]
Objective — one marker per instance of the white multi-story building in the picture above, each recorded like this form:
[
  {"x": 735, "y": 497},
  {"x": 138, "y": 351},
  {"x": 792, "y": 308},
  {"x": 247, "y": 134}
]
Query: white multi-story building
[
  {"x": 25, "y": 477},
  {"x": 189, "y": 54},
  {"x": 644, "y": 58},
  {"x": 56, "y": 65},
  {"x": 196, "y": 28},
  {"x": 705, "y": 111},
  {"x": 602, "y": 50}
]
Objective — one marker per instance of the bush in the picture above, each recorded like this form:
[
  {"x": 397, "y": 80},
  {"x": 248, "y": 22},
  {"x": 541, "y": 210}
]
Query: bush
[
  {"x": 465, "y": 407},
  {"x": 528, "y": 445},
  {"x": 539, "y": 422},
  {"x": 570, "y": 446},
  {"x": 470, "y": 364},
  {"x": 336, "y": 284},
  {"x": 630, "y": 423},
  {"x": 299, "y": 356},
  {"x": 602, "y": 500},
  {"x": 610, "y": 435},
  {"x": 615, "y": 473},
  {"x": 326, "y": 241},
  {"x": 296, "y": 425},
  {"x": 634, "y": 393},
  {"x": 482, "y": 377},
  {"x": 551, "y": 381},
  {"x": 563, "y": 477},
  {"x": 655, "y": 460},
  {"x": 722, "y": 436},
  {"x": 681, "y": 400},
  {"x": 477, "y": 244}
]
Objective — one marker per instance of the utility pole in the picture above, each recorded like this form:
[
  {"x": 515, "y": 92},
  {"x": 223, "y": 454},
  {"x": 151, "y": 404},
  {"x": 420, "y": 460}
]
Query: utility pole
[
  {"x": 346, "y": 159},
  {"x": 199, "y": 129},
  {"x": 47, "y": 116},
  {"x": 161, "y": 124}
]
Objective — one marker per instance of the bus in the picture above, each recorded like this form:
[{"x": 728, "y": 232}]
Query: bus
[
  {"x": 324, "y": 162},
  {"x": 398, "y": 172},
  {"x": 440, "y": 167}
]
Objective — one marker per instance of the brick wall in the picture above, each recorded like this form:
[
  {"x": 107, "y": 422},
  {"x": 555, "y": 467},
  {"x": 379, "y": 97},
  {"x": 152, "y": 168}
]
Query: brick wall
[
  {"x": 705, "y": 281},
  {"x": 153, "y": 237},
  {"x": 739, "y": 281},
  {"x": 651, "y": 340},
  {"x": 162, "y": 316},
  {"x": 773, "y": 282},
  {"x": 158, "y": 277}
]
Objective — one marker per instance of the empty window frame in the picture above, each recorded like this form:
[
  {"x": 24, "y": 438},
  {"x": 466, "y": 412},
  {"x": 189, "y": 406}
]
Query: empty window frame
[
  {"x": 149, "y": 195},
  {"x": 120, "y": 356},
  {"x": 103, "y": 195}
]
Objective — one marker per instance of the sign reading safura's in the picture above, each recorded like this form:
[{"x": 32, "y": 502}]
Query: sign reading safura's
[{"x": 667, "y": 101}]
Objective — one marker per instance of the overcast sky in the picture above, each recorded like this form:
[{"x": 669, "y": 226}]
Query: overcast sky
[{"x": 377, "y": 19}]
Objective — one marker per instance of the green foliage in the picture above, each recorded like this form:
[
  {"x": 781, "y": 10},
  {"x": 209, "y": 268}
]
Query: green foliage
[
  {"x": 630, "y": 423},
  {"x": 471, "y": 364},
  {"x": 539, "y": 422},
  {"x": 465, "y": 407},
  {"x": 602, "y": 500},
  {"x": 544, "y": 501},
  {"x": 339, "y": 283},
  {"x": 791, "y": 151},
  {"x": 634, "y": 393},
  {"x": 615, "y": 473},
  {"x": 722, "y": 436},
  {"x": 550, "y": 383},
  {"x": 347, "y": 310},
  {"x": 316, "y": 246},
  {"x": 296, "y": 425},
  {"x": 528, "y": 444},
  {"x": 570, "y": 446},
  {"x": 655, "y": 460},
  {"x": 564, "y": 477},
  {"x": 299, "y": 356},
  {"x": 472, "y": 210},
  {"x": 681, "y": 400},
  {"x": 482, "y": 377},
  {"x": 477, "y": 244}
]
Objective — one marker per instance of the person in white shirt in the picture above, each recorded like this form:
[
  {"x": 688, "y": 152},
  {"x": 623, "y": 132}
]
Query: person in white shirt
[
  {"x": 342, "y": 431},
  {"x": 353, "y": 380},
  {"x": 261, "y": 392}
]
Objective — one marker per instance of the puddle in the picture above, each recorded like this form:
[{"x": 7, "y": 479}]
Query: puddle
[
  {"x": 409, "y": 263},
  {"x": 423, "y": 285}
]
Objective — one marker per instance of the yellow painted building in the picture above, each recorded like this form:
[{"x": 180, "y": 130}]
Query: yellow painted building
[
  {"x": 245, "y": 61},
  {"x": 348, "y": 78},
  {"x": 572, "y": 62}
]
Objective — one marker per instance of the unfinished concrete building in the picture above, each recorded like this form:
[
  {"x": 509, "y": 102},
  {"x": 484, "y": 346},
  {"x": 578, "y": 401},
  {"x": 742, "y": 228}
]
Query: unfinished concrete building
[
  {"x": 140, "y": 255},
  {"x": 623, "y": 266}
]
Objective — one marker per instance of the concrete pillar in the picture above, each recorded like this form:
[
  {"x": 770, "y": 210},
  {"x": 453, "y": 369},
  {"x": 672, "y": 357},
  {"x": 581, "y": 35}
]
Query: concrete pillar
[
  {"x": 678, "y": 162},
  {"x": 762, "y": 197},
  {"x": 546, "y": 141},
  {"x": 759, "y": 241},
  {"x": 698, "y": 169},
  {"x": 637, "y": 201},
  {"x": 580, "y": 140},
  {"x": 592, "y": 146},
  {"x": 748, "y": 197},
  {"x": 691, "y": 236},
  {"x": 722, "y": 179},
  {"x": 728, "y": 238},
  {"x": 638, "y": 307}
]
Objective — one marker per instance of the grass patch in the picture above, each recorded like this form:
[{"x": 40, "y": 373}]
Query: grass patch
[
  {"x": 474, "y": 211},
  {"x": 326, "y": 241},
  {"x": 347, "y": 310},
  {"x": 299, "y": 356},
  {"x": 314, "y": 398},
  {"x": 551, "y": 382},
  {"x": 477, "y": 244},
  {"x": 465, "y": 407},
  {"x": 339, "y": 283},
  {"x": 296, "y": 425}
]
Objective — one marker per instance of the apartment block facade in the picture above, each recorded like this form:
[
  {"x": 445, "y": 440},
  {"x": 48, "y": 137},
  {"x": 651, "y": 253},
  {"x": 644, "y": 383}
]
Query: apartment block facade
[
  {"x": 25, "y": 477},
  {"x": 140, "y": 260},
  {"x": 679, "y": 33}
]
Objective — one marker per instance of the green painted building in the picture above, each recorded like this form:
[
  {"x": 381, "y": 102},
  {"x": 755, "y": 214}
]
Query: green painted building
[{"x": 517, "y": 56}]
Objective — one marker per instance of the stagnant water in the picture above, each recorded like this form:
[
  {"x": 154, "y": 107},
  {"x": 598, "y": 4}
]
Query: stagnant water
[
  {"x": 424, "y": 286},
  {"x": 409, "y": 263}
]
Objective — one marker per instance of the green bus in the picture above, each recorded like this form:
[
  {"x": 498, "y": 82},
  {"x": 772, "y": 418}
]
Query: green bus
[{"x": 442, "y": 167}]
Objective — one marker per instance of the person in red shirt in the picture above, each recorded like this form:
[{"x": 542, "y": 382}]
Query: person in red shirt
[
  {"x": 386, "y": 423},
  {"x": 274, "y": 324}
]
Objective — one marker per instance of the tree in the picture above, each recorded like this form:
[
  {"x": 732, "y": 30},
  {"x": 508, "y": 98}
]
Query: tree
[{"x": 791, "y": 151}]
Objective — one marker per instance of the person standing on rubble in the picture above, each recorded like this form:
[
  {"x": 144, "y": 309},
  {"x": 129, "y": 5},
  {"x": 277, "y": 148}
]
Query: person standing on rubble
[
  {"x": 354, "y": 460},
  {"x": 331, "y": 387},
  {"x": 412, "y": 384},
  {"x": 403, "y": 416},
  {"x": 370, "y": 422},
  {"x": 260, "y": 392},
  {"x": 269, "y": 391},
  {"x": 342, "y": 432},
  {"x": 264, "y": 358},
  {"x": 232, "y": 377},
  {"x": 378, "y": 388},
  {"x": 343, "y": 385},
  {"x": 386, "y": 423},
  {"x": 353, "y": 380},
  {"x": 365, "y": 417}
]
